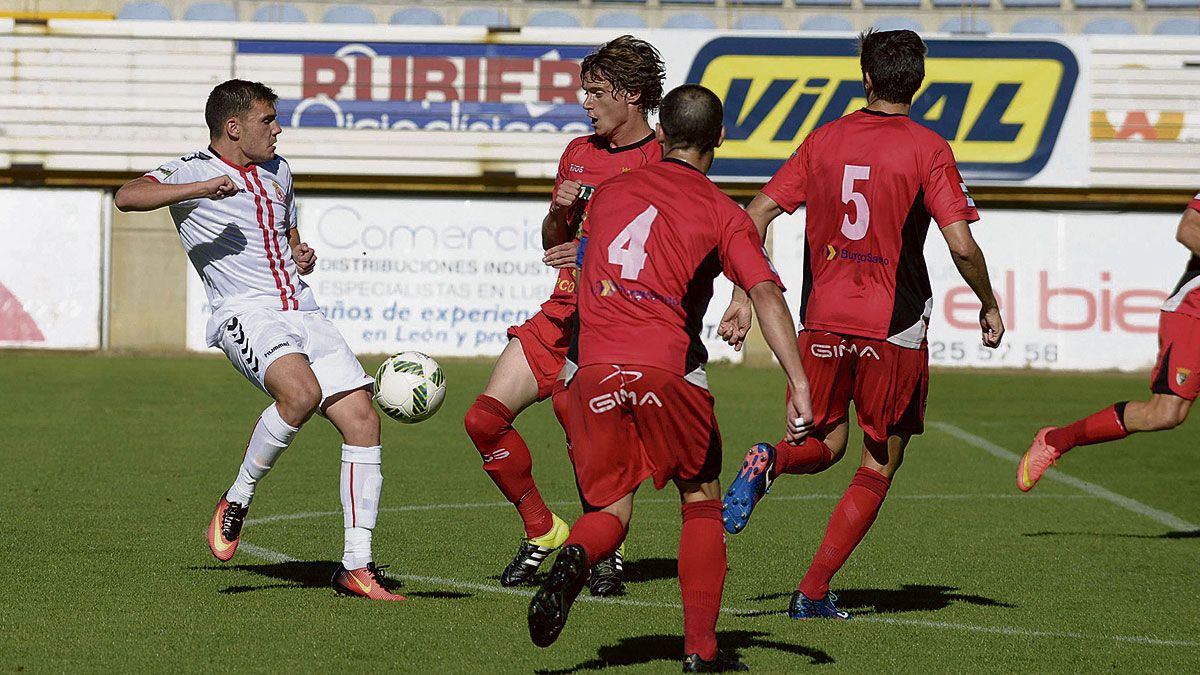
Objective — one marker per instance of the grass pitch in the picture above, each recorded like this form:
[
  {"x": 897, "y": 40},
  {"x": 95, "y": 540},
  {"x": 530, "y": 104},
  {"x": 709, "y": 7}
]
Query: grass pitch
[{"x": 113, "y": 466}]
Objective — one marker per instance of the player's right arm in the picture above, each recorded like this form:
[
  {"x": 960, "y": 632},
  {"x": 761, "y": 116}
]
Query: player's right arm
[
  {"x": 1189, "y": 230},
  {"x": 555, "y": 228},
  {"x": 969, "y": 260},
  {"x": 147, "y": 194},
  {"x": 775, "y": 319}
]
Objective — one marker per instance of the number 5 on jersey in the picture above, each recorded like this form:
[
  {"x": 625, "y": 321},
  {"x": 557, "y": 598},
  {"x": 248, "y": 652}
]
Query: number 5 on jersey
[
  {"x": 628, "y": 248},
  {"x": 862, "y": 211}
]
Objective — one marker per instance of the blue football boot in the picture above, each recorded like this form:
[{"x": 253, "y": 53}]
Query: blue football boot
[
  {"x": 801, "y": 607},
  {"x": 752, "y": 482}
]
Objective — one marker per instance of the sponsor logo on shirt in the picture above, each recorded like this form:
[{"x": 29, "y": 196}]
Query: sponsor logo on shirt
[
  {"x": 1181, "y": 375},
  {"x": 164, "y": 171},
  {"x": 276, "y": 348},
  {"x": 837, "y": 351},
  {"x": 1000, "y": 103},
  {"x": 278, "y": 191},
  {"x": 605, "y": 402},
  {"x": 575, "y": 168},
  {"x": 606, "y": 288},
  {"x": 832, "y": 252}
]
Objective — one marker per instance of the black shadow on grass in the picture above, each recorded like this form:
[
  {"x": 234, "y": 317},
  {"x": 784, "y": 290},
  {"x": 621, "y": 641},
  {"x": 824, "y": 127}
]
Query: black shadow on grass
[
  {"x": 309, "y": 574},
  {"x": 1181, "y": 534},
  {"x": 645, "y": 649},
  {"x": 651, "y": 569},
  {"x": 909, "y": 598}
]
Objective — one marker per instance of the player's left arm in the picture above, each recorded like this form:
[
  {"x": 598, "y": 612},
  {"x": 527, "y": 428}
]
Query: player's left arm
[
  {"x": 303, "y": 254},
  {"x": 735, "y": 322},
  {"x": 1189, "y": 230},
  {"x": 969, "y": 260}
]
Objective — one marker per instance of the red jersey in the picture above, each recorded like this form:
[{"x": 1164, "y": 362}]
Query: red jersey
[
  {"x": 870, "y": 182},
  {"x": 1185, "y": 299},
  {"x": 591, "y": 160},
  {"x": 657, "y": 237}
]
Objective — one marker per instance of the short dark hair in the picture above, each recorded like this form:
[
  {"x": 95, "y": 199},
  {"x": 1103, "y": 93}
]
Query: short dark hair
[
  {"x": 631, "y": 66},
  {"x": 691, "y": 117},
  {"x": 233, "y": 98},
  {"x": 895, "y": 60}
]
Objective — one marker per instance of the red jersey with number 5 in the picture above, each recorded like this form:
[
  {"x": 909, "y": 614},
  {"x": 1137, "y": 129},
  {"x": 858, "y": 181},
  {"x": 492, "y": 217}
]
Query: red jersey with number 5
[
  {"x": 870, "y": 183},
  {"x": 656, "y": 239},
  {"x": 1185, "y": 298},
  {"x": 591, "y": 160}
]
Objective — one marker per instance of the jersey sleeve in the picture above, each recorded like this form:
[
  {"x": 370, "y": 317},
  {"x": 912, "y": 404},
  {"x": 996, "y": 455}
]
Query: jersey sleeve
[
  {"x": 743, "y": 256},
  {"x": 561, "y": 175},
  {"x": 177, "y": 172},
  {"x": 1195, "y": 203},
  {"x": 789, "y": 186},
  {"x": 946, "y": 195}
]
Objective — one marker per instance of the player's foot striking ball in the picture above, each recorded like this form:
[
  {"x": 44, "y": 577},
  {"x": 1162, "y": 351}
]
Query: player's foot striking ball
[
  {"x": 748, "y": 488},
  {"x": 364, "y": 582},
  {"x": 1039, "y": 457},
  {"x": 608, "y": 575},
  {"x": 721, "y": 663},
  {"x": 549, "y": 608},
  {"x": 226, "y": 528},
  {"x": 802, "y": 607},
  {"x": 532, "y": 552}
]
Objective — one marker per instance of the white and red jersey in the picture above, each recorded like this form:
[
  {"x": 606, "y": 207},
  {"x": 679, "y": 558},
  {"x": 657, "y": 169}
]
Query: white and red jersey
[
  {"x": 239, "y": 245},
  {"x": 1185, "y": 298}
]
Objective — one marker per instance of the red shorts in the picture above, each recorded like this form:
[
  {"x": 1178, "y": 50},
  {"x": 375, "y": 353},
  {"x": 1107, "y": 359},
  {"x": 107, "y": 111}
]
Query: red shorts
[
  {"x": 628, "y": 423},
  {"x": 888, "y": 384},
  {"x": 1177, "y": 371},
  {"x": 544, "y": 340}
]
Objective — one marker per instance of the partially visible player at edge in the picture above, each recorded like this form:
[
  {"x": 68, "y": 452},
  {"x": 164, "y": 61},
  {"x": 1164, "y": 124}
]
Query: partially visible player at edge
[
  {"x": 639, "y": 404},
  {"x": 622, "y": 83},
  {"x": 235, "y": 210},
  {"x": 1173, "y": 385},
  {"x": 871, "y": 182}
]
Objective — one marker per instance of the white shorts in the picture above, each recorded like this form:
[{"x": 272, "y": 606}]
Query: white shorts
[{"x": 254, "y": 339}]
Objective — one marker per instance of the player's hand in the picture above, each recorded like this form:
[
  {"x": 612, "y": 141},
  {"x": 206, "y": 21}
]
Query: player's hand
[
  {"x": 562, "y": 256},
  {"x": 567, "y": 193},
  {"x": 799, "y": 413},
  {"x": 735, "y": 323},
  {"x": 305, "y": 257},
  {"x": 992, "y": 326},
  {"x": 218, "y": 188}
]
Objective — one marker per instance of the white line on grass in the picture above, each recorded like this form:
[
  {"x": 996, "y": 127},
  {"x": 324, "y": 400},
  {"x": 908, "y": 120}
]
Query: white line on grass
[
  {"x": 1169, "y": 519},
  {"x": 780, "y": 498},
  {"x": 276, "y": 557}
]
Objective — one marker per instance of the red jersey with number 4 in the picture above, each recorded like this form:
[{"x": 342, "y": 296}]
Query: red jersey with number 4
[
  {"x": 657, "y": 237},
  {"x": 1185, "y": 299},
  {"x": 591, "y": 160},
  {"x": 870, "y": 183}
]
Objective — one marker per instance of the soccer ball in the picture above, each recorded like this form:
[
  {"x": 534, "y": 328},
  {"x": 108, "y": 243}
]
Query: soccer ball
[{"x": 409, "y": 387}]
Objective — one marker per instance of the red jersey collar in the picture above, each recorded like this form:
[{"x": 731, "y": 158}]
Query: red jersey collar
[{"x": 244, "y": 169}]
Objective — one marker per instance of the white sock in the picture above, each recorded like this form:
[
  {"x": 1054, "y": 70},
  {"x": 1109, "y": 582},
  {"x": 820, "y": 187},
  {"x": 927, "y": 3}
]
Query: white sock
[
  {"x": 271, "y": 436},
  {"x": 361, "y": 484}
]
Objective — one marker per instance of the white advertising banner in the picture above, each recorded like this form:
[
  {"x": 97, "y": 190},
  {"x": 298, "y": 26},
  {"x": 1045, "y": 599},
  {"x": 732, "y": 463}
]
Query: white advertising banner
[
  {"x": 443, "y": 276},
  {"x": 50, "y": 268},
  {"x": 1078, "y": 291}
]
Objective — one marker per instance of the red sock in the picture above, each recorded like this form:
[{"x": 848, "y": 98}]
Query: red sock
[
  {"x": 811, "y": 456},
  {"x": 848, "y": 525},
  {"x": 1106, "y": 425},
  {"x": 600, "y": 533},
  {"x": 506, "y": 460},
  {"x": 701, "y": 575}
]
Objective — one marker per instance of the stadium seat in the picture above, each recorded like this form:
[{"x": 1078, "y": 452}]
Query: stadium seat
[
  {"x": 624, "y": 2},
  {"x": 553, "y": 18},
  {"x": 758, "y": 22},
  {"x": 966, "y": 25},
  {"x": 1032, "y": 3},
  {"x": 210, "y": 11},
  {"x": 897, "y": 23},
  {"x": 416, "y": 16},
  {"x": 961, "y": 3},
  {"x": 689, "y": 20},
  {"x": 687, "y": 2},
  {"x": 892, "y": 3},
  {"x": 620, "y": 20},
  {"x": 1037, "y": 24},
  {"x": 824, "y": 3},
  {"x": 486, "y": 16},
  {"x": 1108, "y": 26},
  {"x": 144, "y": 10},
  {"x": 1110, "y": 4},
  {"x": 827, "y": 24},
  {"x": 279, "y": 12},
  {"x": 1171, "y": 4},
  {"x": 348, "y": 14},
  {"x": 734, "y": 4},
  {"x": 1178, "y": 26}
]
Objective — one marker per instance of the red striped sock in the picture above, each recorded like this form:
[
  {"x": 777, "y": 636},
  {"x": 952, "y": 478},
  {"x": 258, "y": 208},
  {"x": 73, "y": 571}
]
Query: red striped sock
[
  {"x": 847, "y": 527},
  {"x": 1101, "y": 427},
  {"x": 811, "y": 456},
  {"x": 507, "y": 461},
  {"x": 701, "y": 575}
]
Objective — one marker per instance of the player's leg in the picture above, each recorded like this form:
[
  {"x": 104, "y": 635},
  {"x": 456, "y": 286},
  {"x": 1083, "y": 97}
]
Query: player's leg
[
  {"x": 830, "y": 381},
  {"x": 265, "y": 350},
  {"x": 702, "y": 565},
  {"x": 512, "y": 388},
  {"x": 1174, "y": 384}
]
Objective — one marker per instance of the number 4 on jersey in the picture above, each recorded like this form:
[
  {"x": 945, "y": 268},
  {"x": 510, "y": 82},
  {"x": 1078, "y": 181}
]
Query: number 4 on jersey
[{"x": 628, "y": 249}]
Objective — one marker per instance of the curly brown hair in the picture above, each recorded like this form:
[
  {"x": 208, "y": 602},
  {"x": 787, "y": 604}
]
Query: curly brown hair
[{"x": 631, "y": 66}]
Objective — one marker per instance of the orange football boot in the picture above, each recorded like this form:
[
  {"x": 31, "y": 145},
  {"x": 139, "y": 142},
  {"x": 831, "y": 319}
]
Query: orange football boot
[
  {"x": 1039, "y": 457},
  {"x": 364, "y": 582},
  {"x": 226, "y": 528}
]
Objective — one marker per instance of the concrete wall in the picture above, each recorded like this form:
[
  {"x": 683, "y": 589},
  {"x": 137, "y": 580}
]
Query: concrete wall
[{"x": 148, "y": 283}]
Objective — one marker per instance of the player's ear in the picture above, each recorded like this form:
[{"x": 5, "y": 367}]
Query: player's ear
[
  {"x": 867, "y": 85},
  {"x": 233, "y": 128},
  {"x": 720, "y": 137},
  {"x": 659, "y": 134}
]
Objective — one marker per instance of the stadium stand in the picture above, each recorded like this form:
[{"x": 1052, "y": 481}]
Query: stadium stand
[
  {"x": 758, "y": 22},
  {"x": 689, "y": 20},
  {"x": 966, "y": 25},
  {"x": 145, "y": 10},
  {"x": 485, "y": 16},
  {"x": 896, "y": 23},
  {"x": 279, "y": 13},
  {"x": 1037, "y": 25},
  {"x": 826, "y": 23},
  {"x": 1178, "y": 26},
  {"x": 348, "y": 14},
  {"x": 416, "y": 16},
  {"x": 553, "y": 18},
  {"x": 210, "y": 11},
  {"x": 619, "y": 20},
  {"x": 1108, "y": 26}
]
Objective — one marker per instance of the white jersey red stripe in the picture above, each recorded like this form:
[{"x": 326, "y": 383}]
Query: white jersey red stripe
[{"x": 239, "y": 245}]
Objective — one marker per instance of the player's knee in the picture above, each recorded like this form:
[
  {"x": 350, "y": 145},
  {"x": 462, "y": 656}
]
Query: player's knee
[
  {"x": 1167, "y": 413},
  {"x": 482, "y": 424},
  {"x": 298, "y": 403},
  {"x": 559, "y": 402}
]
